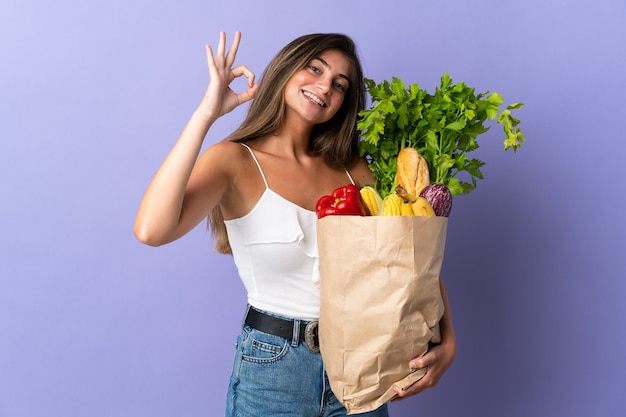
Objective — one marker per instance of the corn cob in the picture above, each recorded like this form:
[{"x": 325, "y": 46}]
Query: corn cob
[
  {"x": 372, "y": 200},
  {"x": 392, "y": 205}
]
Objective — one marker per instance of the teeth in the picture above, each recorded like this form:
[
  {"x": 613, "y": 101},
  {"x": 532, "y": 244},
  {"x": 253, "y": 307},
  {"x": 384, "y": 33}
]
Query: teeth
[{"x": 314, "y": 98}]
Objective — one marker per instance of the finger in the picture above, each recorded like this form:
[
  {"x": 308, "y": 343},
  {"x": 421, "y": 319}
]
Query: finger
[
  {"x": 247, "y": 95},
  {"x": 232, "y": 52},
  {"x": 428, "y": 381},
  {"x": 245, "y": 71},
  {"x": 424, "y": 361},
  {"x": 414, "y": 389},
  {"x": 210, "y": 58},
  {"x": 221, "y": 46},
  {"x": 400, "y": 393}
]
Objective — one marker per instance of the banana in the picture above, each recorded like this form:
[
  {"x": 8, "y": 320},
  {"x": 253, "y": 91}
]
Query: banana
[
  {"x": 406, "y": 209},
  {"x": 421, "y": 207}
]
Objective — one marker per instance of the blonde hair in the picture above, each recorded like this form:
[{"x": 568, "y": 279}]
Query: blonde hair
[{"x": 336, "y": 140}]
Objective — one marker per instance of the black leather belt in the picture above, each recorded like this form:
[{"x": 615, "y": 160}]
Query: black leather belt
[{"x": 284, "y": 328}]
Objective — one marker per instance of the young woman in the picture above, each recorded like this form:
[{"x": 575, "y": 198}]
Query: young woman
[{"x": 259, "y": 188}]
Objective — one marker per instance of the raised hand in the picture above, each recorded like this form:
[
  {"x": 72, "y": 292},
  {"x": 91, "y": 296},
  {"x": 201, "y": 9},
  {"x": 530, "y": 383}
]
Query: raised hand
[{"x": 219, "y": 98}]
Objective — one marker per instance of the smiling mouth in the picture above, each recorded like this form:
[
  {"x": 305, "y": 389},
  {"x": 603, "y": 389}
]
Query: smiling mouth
[{"x": 314, "y": 99}]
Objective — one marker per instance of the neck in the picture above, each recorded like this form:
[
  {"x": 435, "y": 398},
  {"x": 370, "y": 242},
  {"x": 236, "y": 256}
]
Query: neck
[{"x": 294, "y": 136}]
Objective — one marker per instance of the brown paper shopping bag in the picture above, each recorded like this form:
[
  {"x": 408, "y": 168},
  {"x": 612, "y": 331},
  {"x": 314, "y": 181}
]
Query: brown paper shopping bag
[{"x": 380, "y": 302}]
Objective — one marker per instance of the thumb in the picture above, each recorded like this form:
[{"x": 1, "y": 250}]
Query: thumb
[
  {"x": 248, "y": 94},
  {"x": 423, "y": 361}
]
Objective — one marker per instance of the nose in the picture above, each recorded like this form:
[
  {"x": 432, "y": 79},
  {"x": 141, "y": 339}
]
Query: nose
[{"x": 324, "y": 84}]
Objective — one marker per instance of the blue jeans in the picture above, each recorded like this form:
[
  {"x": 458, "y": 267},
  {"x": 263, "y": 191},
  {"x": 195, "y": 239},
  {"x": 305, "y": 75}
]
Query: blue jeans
[{"x": 274, "y": 377}]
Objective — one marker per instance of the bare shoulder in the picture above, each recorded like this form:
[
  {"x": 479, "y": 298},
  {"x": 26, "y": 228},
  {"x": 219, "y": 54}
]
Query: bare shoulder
[
  {"x": 217, "y": 167},
  {"x": 223, "y": 157},
  {"x": 225, "y": 151},
  {"x": 361, "y": 173},
  {"x": 229, "y": 168}
]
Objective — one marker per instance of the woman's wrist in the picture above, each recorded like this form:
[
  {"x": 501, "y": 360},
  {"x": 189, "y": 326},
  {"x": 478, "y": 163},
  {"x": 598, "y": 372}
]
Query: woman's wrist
[{"x": 205, "y": 116}]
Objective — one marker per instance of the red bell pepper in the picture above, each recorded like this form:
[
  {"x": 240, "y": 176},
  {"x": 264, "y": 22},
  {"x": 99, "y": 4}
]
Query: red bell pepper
[{"x": 344, "y": 200}]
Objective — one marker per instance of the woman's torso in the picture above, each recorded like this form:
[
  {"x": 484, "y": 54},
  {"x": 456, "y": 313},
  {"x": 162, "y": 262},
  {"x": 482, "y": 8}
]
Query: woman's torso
[{"x": 275, "y": 250}]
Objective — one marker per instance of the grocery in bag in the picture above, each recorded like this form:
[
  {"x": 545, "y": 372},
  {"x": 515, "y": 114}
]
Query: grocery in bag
[{"x": 380, "y": 302}]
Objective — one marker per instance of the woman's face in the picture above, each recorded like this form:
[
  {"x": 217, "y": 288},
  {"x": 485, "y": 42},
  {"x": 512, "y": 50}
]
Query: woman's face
[{"x": 316, "y": 92}]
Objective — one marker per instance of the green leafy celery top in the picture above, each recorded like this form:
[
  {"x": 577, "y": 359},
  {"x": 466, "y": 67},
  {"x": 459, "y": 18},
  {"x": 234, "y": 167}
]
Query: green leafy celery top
[{"x": 443, "y": 127}]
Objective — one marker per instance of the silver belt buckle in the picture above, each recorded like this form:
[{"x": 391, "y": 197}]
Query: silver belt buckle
[{"x": 311, "y": 338}]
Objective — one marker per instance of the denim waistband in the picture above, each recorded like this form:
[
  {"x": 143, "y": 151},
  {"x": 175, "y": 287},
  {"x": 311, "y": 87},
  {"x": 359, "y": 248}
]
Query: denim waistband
[{"x": 293, "y": 330}]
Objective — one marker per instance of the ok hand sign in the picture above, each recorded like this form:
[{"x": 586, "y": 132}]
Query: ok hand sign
[{"x": 219, "y": 98}]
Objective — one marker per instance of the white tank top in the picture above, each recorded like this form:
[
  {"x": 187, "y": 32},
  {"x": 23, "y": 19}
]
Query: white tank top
[{"x": 275, "y": 250}]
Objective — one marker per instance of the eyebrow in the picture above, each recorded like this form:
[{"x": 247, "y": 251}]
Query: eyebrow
[{"x": 328, "y": 66}]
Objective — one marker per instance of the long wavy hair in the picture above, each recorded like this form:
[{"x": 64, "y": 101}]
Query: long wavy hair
[{"x": 336, "y": 140}]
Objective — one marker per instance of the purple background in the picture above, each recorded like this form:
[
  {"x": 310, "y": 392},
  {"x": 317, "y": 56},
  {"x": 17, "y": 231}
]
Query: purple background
[{"x": 92, "y": 96}]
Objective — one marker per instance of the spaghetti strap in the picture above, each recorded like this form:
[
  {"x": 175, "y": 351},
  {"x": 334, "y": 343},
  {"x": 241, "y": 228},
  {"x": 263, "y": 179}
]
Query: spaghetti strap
[
  {"x": 263, "y": 174},
  {"x": 257, "y": 163},
  {"x": 350, "y": 176}
]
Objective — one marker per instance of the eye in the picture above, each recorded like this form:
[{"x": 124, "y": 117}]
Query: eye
[
  {"x": 339, "y": 86},
  {"x": 314, "y": 69}
]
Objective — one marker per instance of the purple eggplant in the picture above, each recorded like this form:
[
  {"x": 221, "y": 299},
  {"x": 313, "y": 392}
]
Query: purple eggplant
[{"x": 439, "y": 197}]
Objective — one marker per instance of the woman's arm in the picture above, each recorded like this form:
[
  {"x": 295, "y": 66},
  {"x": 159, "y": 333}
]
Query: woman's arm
[
  {"x": 178, "y": 197},
  {"x": 438, "y": 359}
]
